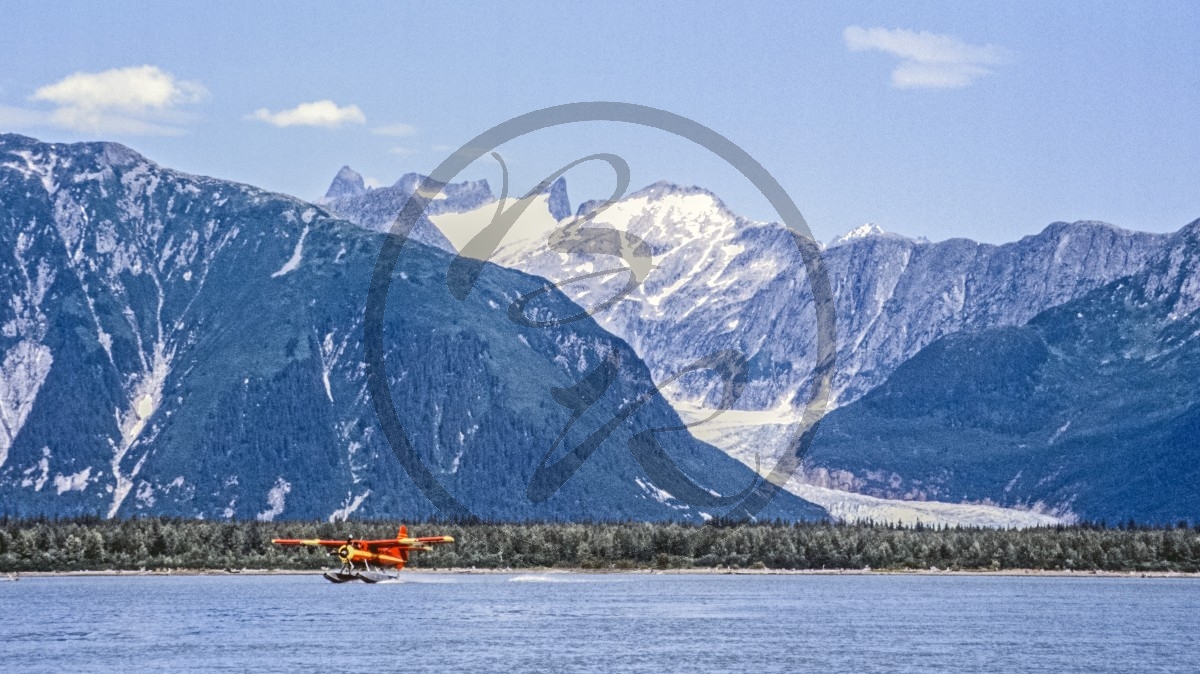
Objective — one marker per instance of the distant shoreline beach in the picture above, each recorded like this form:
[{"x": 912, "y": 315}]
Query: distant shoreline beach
[{"x": 583, "y": 571}]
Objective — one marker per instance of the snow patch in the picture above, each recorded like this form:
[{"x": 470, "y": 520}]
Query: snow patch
[
  {"x": 22, "y": 374},
  {"x": 44, "y": 172},
  {"x": 276, "y": 499},
  {"x": 42, "y": 468},
  {"x": 145, "y": 495},
  {"x": 1058, "y": 433},
  {"x": 349, "y": 506},
  {"x": 144, "y": 402},
  {"x": 660, "y": 495},
  {"x": 330, "y": 352},
  {"x": 76, "y": 482},
  {"x": 858, "y": 233},
  {"x": 297, "y": 255}
]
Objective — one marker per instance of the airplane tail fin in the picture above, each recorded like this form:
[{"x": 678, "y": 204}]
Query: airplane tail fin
[{"x": 403, "y": 533}]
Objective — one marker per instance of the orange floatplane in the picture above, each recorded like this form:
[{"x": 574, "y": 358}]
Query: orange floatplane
[{"x": 358, "y": 556}]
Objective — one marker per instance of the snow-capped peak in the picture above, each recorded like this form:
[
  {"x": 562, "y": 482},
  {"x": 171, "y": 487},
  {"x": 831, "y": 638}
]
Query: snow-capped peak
[{"x": 862, "y": 232}]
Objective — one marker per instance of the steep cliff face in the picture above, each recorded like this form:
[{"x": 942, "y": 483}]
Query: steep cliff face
[
  {"x": 347, "y": 183},
  {"x": 719, "y": 281},
  {"x": 1089, "y": 409},
  {"x": 897, "y": 296},
  {"x": 184, "y": 345}
]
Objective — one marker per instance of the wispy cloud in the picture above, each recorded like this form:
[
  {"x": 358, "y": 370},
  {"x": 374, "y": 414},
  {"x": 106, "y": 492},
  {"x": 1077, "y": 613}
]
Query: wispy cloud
[
  {"x": 927, "y": 60},
  {"x": 401, "y": 151},
  {"x": 395, "y": 130},
  {"x": 323, "y": 113},
  {"x": 141, "y": 100},
  {"x": 12, "y": 117}
]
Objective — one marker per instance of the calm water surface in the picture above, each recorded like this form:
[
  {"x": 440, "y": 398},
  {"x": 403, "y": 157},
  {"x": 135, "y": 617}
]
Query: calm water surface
[{"x": 584, "y": 622}]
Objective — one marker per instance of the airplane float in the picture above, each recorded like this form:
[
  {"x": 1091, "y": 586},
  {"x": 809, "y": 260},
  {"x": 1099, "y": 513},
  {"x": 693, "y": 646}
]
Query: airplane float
[{"x": 388, "y": 552}]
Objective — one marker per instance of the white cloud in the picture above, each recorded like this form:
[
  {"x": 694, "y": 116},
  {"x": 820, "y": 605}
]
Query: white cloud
[
  {"x": 142, "y": 100},
  {"x": 324, "y": 113},
  {"x": 927, "y": 60},
  {"x": 401, "y": 151},
  {"x": 395, "y": 130},
  {"x": 131, "y": 90},
  {"x": 98, "y": 121}
]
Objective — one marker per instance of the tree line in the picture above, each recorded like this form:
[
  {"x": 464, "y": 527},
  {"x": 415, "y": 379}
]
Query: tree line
[{"x": 162, "y": 543}]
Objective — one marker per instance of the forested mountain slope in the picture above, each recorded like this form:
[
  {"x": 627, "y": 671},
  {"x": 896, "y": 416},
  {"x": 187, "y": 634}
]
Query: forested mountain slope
[{"x": 181, "y": 345}]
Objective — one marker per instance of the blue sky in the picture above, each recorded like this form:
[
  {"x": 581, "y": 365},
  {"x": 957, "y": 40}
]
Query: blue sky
[{"x": 984, "y": 120}]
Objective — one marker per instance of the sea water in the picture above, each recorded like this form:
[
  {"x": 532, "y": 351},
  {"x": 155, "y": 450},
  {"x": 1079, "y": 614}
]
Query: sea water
[{"x": 636, "y": 622}]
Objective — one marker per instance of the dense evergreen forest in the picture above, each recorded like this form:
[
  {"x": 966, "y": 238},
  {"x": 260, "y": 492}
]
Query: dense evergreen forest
[{"x": 159, "y": 544}]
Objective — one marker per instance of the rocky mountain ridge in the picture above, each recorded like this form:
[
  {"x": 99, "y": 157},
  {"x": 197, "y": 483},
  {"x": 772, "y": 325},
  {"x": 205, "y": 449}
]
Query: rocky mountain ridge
[
  {"x": 720, "y": 281},
  {"x": 1089, "y": 409},
  {"x": 182, "y": 345}
]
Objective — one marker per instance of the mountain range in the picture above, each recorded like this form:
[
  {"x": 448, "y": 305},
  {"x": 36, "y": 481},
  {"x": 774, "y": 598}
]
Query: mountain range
[
  {"x": 907, "y": 311},
  {"x": 1089, "y": 408},
  {"x": 176, "y": 344},
  {"x": 181, "y": 345}
]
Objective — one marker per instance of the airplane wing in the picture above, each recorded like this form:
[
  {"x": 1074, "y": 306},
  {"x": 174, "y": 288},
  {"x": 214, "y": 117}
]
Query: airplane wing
[
  {"x": 411, "y": 543},
  {"x": 312, "y": 542},
  {"x": 384, "y": 545},
  {"x": 375, "y": 545},
  {"x": 403, "y": 542}
]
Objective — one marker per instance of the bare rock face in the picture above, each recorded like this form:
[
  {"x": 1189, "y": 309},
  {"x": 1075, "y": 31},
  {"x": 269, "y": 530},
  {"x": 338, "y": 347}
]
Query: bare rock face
[
  {"x": 1089, "y": 410},
  {"x": 907, "y": 312},
  {"x": 347, "y": 183},
  {"x": 720, "y": 281}
]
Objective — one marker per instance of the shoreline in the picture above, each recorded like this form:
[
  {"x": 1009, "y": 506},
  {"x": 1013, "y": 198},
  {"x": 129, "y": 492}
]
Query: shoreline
[{"x": 1031, "y": 573}]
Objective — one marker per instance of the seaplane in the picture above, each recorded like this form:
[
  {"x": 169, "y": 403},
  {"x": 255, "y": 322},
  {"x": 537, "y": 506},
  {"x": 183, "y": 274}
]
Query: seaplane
[{"x": 366, "y": 560}]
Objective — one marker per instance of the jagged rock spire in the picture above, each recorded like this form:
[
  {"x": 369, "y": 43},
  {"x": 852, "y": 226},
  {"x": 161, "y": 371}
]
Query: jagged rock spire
[{"x": 347, "y": 183}]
